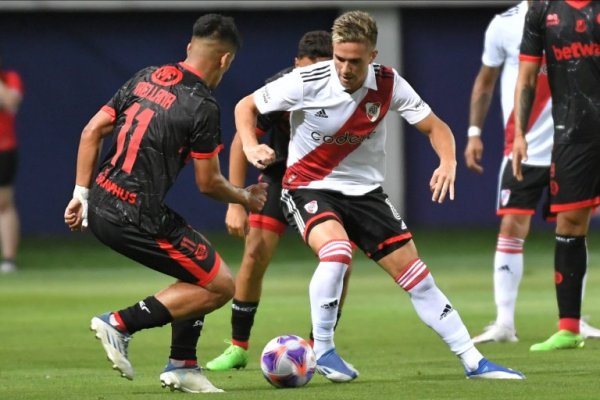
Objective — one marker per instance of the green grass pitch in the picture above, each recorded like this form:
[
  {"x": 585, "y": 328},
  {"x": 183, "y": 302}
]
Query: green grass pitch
[{"x": 47, "y": 351}]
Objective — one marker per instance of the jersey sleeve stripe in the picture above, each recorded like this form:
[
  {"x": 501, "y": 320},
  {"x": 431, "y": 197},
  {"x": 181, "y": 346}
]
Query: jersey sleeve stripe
[
  {"x": 213, "y": 153},
  {"x": 110, "y": 111},
  {"x": 526, "y": 57}
]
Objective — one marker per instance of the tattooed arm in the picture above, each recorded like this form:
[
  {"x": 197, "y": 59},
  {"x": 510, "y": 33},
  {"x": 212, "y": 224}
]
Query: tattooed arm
[{"x": 524, "y": 95}]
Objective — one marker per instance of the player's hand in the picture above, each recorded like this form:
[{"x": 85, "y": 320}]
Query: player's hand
[
  {"x": 519, "y": 155},
  {"x": 474, "y": 154},
  {"x": 259, "y": 155},
  {"x": 74, "y": 215},
  {"x": 236, "y": 220},
  {"x": 442, "y": 182},
  {"x": 256, "y": 196}
]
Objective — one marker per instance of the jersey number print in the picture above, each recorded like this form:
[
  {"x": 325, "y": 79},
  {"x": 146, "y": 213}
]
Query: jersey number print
[{"x": 142, "y": 117}]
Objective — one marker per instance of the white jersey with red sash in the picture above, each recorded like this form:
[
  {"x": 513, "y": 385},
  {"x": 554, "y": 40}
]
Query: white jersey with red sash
[
  {"x": 501, "y": 49},
  {"x": 338, "y": 138}
]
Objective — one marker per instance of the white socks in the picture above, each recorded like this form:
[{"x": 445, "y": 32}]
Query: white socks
[
  {"x": 325, "y": 290},
  {"x": 508, "y": 271},
  {"x": 436, "y": 311}
]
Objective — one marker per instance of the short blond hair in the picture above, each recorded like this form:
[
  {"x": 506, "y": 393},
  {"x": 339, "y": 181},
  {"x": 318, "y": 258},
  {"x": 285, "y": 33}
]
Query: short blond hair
[{"x": 355, "y": 26}]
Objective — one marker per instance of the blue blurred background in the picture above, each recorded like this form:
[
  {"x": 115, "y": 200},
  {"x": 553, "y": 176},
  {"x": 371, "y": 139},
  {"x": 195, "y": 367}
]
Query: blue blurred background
[{"x": 72, "y": 62}]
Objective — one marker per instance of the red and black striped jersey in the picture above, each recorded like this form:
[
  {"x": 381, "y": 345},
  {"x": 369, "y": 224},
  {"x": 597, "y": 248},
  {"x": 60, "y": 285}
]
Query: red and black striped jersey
[
  {"x": 163, "y": 116},
  {"x": 569, "y": 34}
]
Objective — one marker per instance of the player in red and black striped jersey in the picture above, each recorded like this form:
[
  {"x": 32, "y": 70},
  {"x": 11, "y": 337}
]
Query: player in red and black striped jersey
[
  {"x": 567, "y": 33},
  {"x": 160, "y": 119},
  {"x": 263, "y": 229}
]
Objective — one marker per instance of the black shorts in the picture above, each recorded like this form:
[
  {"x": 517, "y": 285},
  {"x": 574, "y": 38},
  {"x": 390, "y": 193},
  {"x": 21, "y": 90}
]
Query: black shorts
[
  {"x": 184, "y": 254},
  {"x": 271, "y": 217},
  {"x": 575, "y": 176},
  {"x": 522, "y": 197},
  {"x": 8, "y": 167},
  {"x": 371, "y": 221}
]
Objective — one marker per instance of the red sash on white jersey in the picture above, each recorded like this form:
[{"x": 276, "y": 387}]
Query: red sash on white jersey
[
  {"x": 319, "y": 162},
  {"x": 542, "y": 97}
]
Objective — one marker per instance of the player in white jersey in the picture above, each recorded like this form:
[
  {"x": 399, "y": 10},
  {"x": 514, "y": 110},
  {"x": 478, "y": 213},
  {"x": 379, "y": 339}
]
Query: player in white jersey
[
  {"x": 517, "y": 200},
  {"x": 332, "y": 187}
]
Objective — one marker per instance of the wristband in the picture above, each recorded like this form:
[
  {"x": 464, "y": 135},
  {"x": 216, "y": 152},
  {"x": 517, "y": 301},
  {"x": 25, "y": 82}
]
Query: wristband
[
  {"x": 81, "y": 193},
  {"x": 474, "y": 131}
]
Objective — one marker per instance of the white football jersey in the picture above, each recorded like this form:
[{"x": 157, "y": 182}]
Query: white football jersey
[
  {"x": 501, "y": 49},
  {"x": 338, "y": 138}
]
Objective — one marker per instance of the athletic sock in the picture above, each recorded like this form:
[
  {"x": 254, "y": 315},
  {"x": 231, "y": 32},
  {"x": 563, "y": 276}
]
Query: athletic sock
[
  {"x": 337, "y": 321},
  {"x": 147, "y": 313},
  {"x": 242, "y": 319},
  {"x": 184, "y": 338},
  {"x": 570, "y": 265},
  {"x": 436, "y": 311},
  {"x": 508, "y": 271},
  {"x": 325, "y": 290}
]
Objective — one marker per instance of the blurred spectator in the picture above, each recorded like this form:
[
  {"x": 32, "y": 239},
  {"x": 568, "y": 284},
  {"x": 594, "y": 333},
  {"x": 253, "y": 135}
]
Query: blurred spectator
[{"x": 11, "y": 94}]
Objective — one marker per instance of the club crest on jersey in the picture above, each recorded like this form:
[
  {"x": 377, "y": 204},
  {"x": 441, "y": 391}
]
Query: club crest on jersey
[
  {"x": 373, "y": 110},
  {"x": 504, "y": 196},
  {"x": 311, "y": 207},
  {"x": 552, "y": 20},
  {"x": 167, "y": 75}
]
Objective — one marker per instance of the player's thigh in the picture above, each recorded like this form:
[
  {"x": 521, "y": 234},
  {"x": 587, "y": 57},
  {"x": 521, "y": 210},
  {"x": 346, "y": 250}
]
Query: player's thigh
[
  {"x": 521, "y": 197},
  {"x": 8, "y": 173},
  {"x": 574, "y": 179},
  {"x": 374, "y": 225},
  {"x": 320, "y": 211},
  {"x": 271, "y": 217},
  {"x": 184, "y": 254}
]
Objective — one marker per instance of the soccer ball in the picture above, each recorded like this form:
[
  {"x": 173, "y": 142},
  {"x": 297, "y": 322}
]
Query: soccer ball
[{"x": 288, "y": 361}]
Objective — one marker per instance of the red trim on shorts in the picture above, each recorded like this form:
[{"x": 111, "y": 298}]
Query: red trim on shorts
[
  {"x": 187, "y": 263},
  {"x": 570, "y": 324},
  {"x": 267, "y": 223},
  {"x": 514, "y": 211},
  {"x": 315, "y": 219},
  {"x": 207, "y": 155},
  {"x": 525, "y": 57},
  {"x": 556, "y": 208},
  {"x": 110, "y": 111},
  {"x": 394, "y": 239},
  {"x": 259, "y": 132}
]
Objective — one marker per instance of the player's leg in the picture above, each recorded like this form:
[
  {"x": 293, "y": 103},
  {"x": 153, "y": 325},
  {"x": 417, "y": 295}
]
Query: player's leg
[
  {"x": 508, "y": 271},
  {"x": 385, "y": 238},
  {"x": 575, "y": 192},
  {"x": 9, "y": 218},
  {"x": 316, "y": 216},
  {"x": 258, "y": 250},
  {"x": 437, "y": 312},
  {"x": 570, "y": 266},
  {"x": 204, "y": 284}
]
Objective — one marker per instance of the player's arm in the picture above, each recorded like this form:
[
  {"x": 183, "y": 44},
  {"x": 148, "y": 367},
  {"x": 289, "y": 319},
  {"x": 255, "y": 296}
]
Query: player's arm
[
  {"x": 246, "y": 112},
  {"x": 236, "y": 218},
  {"x": 442, "y": 141},
  {"x": 524, "y": 96},
  {"x": 10, "y": 99},
  {"x": 212, "y": 183},
  {"x": 481, "y": 98},
  {"x": 90, "y": 144}
]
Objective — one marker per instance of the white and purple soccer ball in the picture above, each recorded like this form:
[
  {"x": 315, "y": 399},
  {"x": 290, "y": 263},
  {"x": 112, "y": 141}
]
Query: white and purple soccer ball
[{"x": 288, "y": 361}]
